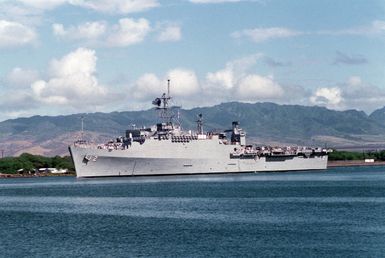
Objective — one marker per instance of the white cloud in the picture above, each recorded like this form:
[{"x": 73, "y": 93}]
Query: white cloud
[
  {"x": 329, "y": 97},
  {"x": 17, "y": 102},
  {"x": 104, "y": 6},
  {"x": 228, "y": 77},
  {"x": 88, "y": 30},
  {"x": 184, "y": 84},
  {"x": 147, "y": 87},
  {"x": 354, "y": 93},
  {"x": 125, "y": 33},
  {"x": 243, "y": 65},
  {"x": 13, "y": 11},
  {"x": 72, "y": 81},
  {"x": 237, "y": 81},
  {"x": 223, "y": 77},
  {"x": 117, "y": 6},
  {"x": 20, "y": 78},
  {"x": 376, "y": 28},
  {"x": 169, "y": 32},
  {"x": 15, "y": 34},
  {"x": 255, "y": 87},
  {"x": 359, "y": 94},
  {"x": 43, "y": 4},
  {"x": 128, "y": 32},
  {"x": 262, "y": 34}
]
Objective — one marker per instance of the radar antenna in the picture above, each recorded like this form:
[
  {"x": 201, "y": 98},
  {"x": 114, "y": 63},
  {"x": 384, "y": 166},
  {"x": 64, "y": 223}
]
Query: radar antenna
[{"x": 162, "y": 104}]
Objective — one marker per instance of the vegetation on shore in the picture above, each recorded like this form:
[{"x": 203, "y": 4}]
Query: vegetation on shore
[
  {"x": 351, "y": 155},
  {"x": 31, "y": 163}
]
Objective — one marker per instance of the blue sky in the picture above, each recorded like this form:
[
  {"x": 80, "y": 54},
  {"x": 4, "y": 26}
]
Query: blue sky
[{"x": 72, "y": 56}]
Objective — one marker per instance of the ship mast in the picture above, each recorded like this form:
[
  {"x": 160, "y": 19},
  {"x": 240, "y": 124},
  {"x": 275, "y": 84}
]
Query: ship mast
[
  {"x": 162, "y": 104},
  {"x": 82, "y": 131},
  {"x": 200, "y": 124}
]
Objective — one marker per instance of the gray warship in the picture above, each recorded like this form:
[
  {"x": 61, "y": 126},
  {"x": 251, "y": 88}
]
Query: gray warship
[{"x": 166, "y": 149}]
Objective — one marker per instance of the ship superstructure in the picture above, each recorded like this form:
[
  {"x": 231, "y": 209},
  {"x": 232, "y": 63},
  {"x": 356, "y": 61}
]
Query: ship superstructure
[{"x": 165, "y": 149}]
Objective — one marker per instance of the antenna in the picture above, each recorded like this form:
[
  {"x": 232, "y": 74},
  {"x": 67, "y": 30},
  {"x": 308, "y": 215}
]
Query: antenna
[
  {"x": 168, "y": 88},
  {"x": 82, "y": 132},
  {"x": 162, "y": 104},
  {"x": 200, "y": 124}
]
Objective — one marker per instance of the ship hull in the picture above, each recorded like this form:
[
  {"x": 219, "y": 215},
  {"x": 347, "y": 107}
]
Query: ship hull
[{"x": 103, "y": 163}]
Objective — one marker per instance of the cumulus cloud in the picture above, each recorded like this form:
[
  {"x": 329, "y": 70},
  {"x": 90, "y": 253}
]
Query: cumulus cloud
[
  {"x": 233, "y": 83},
  {"x": 125, "y": 33},
  {"x": 255, "y": 87},
  {"x": 16, "y": 95},
  {"x": 169, "y": 32},
  {"x": 128, "y": 32},
  {"x": 147, "y": 87},
  {"x": 15, "y": 34},
  {"x": 68, "y": 85},
  {"x": 17, "y": 102},
  {"x": 223, "y": 78},
  {"x": 21, "y": 78},
  {"x": 184, "y": 81},
  {"x": 16, "y": 11},
  {"x": 360, "y": 94},
  {"x": 239, "y": 82},
  {"x": 72, "y": 81},
  {"x": 232, "y": 73},
  {"x": 117, "y": 6},
  {"x": 43, "y": 4},
  {"x": 184, "y": 84},
  {"x": 354, "y": 93},
  {"x": 88, "y": 30},
  {"x": 262, "y": 34},
  {"x": 342, "y": 58},
  {"x": 104, "y": 6},
  {"x": 329, "y": 97}
]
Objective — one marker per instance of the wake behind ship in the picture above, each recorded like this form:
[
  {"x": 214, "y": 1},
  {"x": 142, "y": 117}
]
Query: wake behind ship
[{"x": 165, "y": 149}]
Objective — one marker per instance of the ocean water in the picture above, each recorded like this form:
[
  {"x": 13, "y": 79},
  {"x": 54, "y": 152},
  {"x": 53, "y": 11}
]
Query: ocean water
[{"x": 336, "y": 213}]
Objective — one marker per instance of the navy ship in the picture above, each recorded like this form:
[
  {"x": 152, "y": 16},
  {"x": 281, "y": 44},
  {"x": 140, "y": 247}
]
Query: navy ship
[{"x": 166, "y": 149}]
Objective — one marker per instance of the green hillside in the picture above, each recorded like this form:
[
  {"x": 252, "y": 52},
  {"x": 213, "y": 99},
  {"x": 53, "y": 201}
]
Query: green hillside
[{"x": 261, "y": 121}]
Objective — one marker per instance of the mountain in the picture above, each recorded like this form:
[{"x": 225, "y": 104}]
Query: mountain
[
  {"x": 379, "y": 116},
  {"x": 266, "y": 123}
]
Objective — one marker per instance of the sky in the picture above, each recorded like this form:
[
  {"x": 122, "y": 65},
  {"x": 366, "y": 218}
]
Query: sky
[{"x": 61, "y": 57}]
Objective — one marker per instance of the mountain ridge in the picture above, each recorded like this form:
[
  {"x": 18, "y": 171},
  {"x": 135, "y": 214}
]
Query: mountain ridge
[{"x": 264, "y": 122}]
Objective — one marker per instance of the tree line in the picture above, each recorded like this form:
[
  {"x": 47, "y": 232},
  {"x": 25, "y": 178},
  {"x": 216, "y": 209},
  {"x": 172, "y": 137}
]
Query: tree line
[
  {"x": 29, "y": 162},
  {"x": 351, "y": 155}
]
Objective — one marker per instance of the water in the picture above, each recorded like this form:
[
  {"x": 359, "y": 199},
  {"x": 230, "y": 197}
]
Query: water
[{"x": 335, "y": 213}]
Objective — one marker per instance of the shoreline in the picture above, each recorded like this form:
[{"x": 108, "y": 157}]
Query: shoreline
[
  {"x": 3, "y": 175},
  {"x": 331, "y": 164},
  {"x": 353, "y": 163}
]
